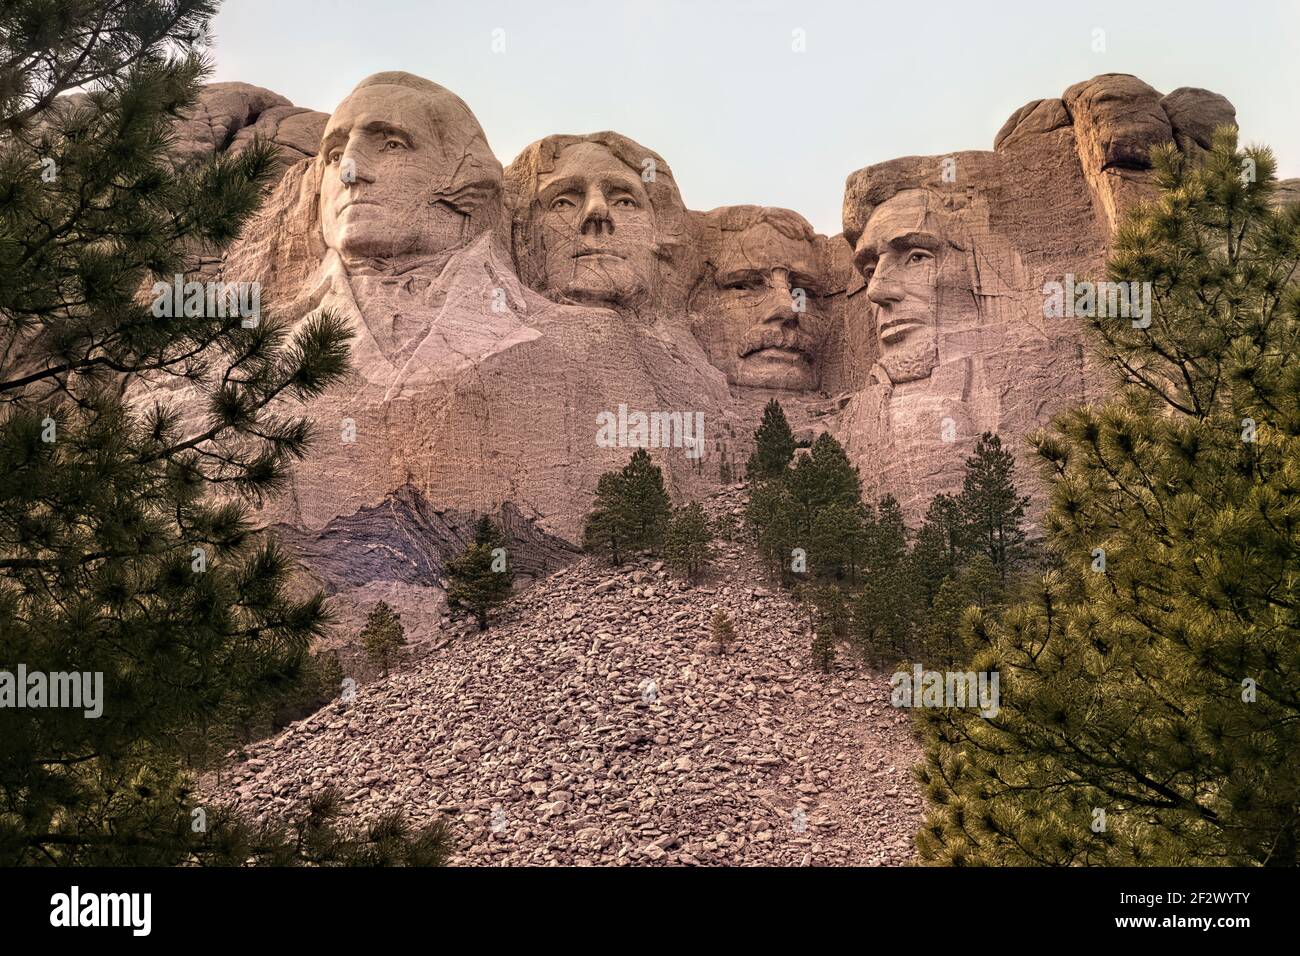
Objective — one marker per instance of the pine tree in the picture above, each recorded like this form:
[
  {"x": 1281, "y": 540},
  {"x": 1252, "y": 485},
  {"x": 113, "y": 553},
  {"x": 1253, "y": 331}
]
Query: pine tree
[
  {"x": 884, "y": 605},
  {"x": 648, "y": 501},
  {"x": 481, "y": 577},
  {"x": 722, "y": 630},
  {"x": 774, "y": 445},
  {"x": 820, "y": 479},
  {"x": 688, "y": 541},
  {"x": 838, "y": 541},
  {"x": 770, "y": 523},
  {"x": 115, "y": 555},
  {"x": 832, "y": 619},
  {"x": 939, "y": 549},
  {"x": 942, "y": 640},
  {"x": 1149, "y": 706},
  {"x": 382, "y": 635},
  {"x": 610, "y": 526},
  {"x": 992, "y": 510},
  {"x": 631, "y": 510}
]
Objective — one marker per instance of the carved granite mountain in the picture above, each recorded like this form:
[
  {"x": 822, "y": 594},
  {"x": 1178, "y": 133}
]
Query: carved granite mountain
[
  {"x": 956, "y": 251},
  {"x": 512, "y": 323}
]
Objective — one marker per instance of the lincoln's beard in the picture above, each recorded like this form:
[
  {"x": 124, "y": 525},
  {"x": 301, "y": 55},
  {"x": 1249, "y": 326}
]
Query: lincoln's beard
[{"x": 914, "y": 354}]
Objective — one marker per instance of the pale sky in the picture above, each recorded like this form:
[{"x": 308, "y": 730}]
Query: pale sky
[{"x": 715, "y": 87}]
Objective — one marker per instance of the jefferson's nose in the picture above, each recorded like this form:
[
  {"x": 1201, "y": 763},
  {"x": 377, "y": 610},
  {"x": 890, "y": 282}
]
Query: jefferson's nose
[{"x": 595, "y": 214}]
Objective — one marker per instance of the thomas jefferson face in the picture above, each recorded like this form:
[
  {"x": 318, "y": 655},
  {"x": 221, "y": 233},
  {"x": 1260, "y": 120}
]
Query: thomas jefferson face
[
  {"x": 598, "y": 227},
  {"x": 901, "y": 254},
  {"x": 380, "y": 166},
  {"x": 757, "y": 321}
]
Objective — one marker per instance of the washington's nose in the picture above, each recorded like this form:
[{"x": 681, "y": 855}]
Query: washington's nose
[
  {"x": 595, "y": 215},
  {"x": 353, "y": 169}
]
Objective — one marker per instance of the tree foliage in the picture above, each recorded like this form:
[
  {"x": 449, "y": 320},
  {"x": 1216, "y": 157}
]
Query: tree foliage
[
  {"x": 1150, "y": 688},
  {"x": 481, "y": 577},
  {"x": 127, "y": 544},
  {"x": 631, "y": 510}
]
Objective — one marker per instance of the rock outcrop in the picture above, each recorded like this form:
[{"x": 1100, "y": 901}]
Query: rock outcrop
[
  {"x": 956, "y": 253},
  {"x": 597, "y": 724},
  {"x": 503, "y": 315},
  {"x": 229, "y": 116}
]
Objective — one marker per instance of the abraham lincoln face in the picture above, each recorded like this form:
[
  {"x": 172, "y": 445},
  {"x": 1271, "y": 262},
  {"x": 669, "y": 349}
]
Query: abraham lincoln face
[{"x": 907, "y": 258}]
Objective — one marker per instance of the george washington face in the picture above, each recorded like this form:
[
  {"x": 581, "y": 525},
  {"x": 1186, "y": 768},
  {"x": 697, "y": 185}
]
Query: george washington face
[
  {"x": 598, "y": 226},
  {"x": 381, "y": 162}
]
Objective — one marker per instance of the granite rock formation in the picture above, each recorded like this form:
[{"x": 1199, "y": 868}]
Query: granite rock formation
[
  {"x": 596, "y": 724},
  {"x": 955, "y": 252},
  {"x": 503, "y": 314}
]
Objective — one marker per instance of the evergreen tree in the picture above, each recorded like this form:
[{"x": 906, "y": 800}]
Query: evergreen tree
[
  {"x": 1149, "y": 689},
  {"x": 115, "y": 557},
  {"x": 688, "y": 541},
  {"x": 382, "y": 635},
  {"x": 631, "y": 510},
  {"x": 722, "y": 630},
  {"x": 939, "y": 550},
  {"x": 821, "y": 479},
  {"x": 610, "y": 526},
  {"x": 832, "y": 619},
  {"x": 481, "y": 577},
  {"x": 774, "y": 445},
  {"x": 839, "y": 541},
  {"x": 648, "y": 501},
  {"x": 992, "y": 510},
  {"x": 942, "y": 642},
  {"x": 770, "y": 523},
  {"x": 883, "y": 607}
]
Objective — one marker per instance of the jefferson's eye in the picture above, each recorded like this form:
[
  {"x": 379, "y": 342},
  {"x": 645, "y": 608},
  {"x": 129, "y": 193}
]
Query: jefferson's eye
[
  {"x": 335, "y": 155},
  {"x": 562, "y": 202},
  {"x": 626, "y": 202},
  {"x": 394, "y": 144}
]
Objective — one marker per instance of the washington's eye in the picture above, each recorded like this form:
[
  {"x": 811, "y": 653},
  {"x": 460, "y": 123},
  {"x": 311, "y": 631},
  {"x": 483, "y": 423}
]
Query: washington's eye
[
  {"x": 562, "y": 202},
  {"x": 918, "y": 255},
  {"x": 394, "y": 144}
]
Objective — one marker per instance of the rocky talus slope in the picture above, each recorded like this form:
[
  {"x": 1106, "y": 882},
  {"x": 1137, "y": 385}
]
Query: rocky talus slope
[{"x": 596, "y": 723}]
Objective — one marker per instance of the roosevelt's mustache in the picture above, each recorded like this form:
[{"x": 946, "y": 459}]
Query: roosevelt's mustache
[{"x": 775, "y": 337}]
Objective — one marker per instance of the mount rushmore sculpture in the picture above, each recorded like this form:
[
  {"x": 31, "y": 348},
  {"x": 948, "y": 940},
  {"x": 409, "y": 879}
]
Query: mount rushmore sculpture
[{"x": 500, "y": 314}]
